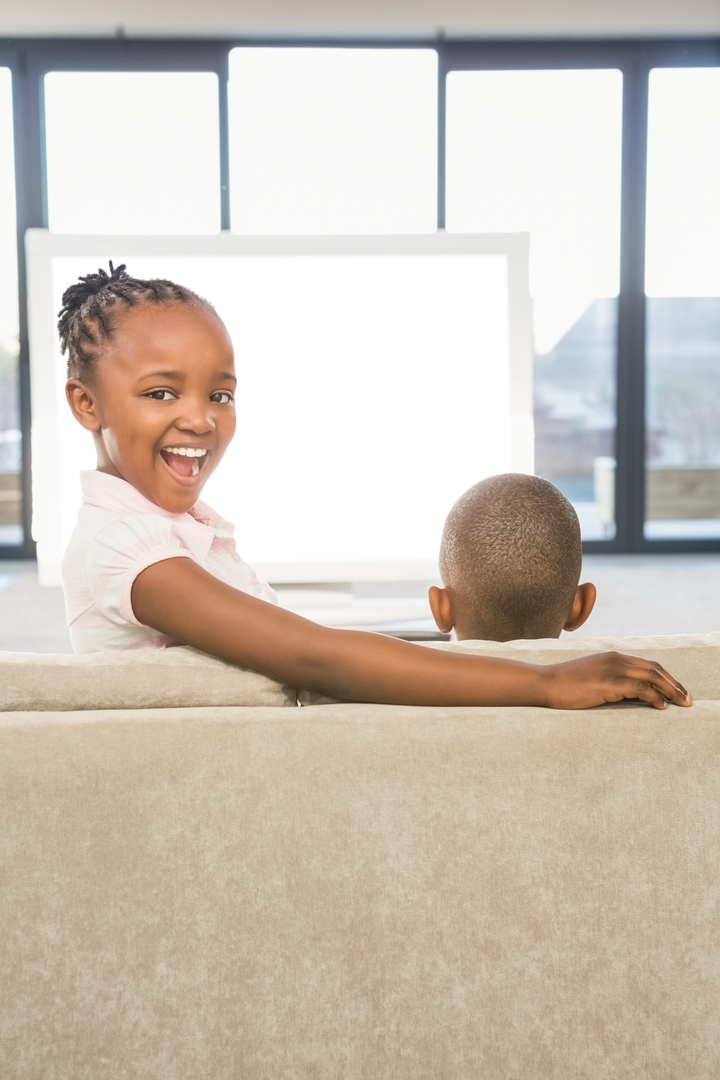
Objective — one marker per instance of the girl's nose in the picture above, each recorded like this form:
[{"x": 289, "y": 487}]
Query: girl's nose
[{"x": 196, "y": 418}]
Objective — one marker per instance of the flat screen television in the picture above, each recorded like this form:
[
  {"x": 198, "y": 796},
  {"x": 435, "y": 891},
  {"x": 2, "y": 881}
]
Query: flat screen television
[{"x": 369, "y": 395}]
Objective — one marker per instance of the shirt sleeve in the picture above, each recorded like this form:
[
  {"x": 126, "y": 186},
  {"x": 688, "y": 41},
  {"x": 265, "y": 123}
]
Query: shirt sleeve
[{"x": 122, "y": 550}]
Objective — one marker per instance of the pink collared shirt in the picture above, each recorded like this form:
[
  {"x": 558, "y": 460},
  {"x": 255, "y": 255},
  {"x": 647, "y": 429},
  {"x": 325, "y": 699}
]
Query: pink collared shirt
[{"x": 118, "y": 534}]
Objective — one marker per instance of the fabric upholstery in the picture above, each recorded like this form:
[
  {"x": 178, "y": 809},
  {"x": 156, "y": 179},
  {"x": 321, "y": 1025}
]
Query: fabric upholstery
[
  {"x": 137, "y": 679},
  {"x": 360, "y": 892},
  {"x": 353, "y": 890}
]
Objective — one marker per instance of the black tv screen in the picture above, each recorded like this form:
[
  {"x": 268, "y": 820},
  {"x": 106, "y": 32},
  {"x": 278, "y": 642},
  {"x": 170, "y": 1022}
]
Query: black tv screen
[{"x": 367, "y": 400}]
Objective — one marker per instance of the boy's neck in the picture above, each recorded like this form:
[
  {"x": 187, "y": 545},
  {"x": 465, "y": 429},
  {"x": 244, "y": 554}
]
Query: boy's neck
[{"x": 481, "y": 633}]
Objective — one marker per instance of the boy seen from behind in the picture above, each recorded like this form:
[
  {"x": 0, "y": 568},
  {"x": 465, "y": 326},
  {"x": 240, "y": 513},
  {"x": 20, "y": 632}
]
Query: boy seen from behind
[{"x": 510, "y": 562}]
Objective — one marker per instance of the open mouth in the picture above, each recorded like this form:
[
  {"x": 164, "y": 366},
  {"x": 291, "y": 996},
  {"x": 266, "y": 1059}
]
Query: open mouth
[{"x": 184, "y": 460}]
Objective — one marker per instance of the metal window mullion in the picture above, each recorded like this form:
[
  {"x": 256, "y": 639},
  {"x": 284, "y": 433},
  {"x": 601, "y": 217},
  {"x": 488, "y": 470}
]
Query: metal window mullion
[
  {"x": 630, "y": 433},
  {"x": 224, "y": 118},
  {"x": 441, "y": 135}
]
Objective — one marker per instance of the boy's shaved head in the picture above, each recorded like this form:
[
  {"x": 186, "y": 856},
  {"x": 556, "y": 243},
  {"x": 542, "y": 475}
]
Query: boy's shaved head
[{"x": 510, "y": 557}]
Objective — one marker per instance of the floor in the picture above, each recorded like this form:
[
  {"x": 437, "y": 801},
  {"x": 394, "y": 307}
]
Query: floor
[{"x": 637, "y": 594}]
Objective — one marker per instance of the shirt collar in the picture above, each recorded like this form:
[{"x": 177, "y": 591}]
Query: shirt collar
[{"x": 112, "y": 493}]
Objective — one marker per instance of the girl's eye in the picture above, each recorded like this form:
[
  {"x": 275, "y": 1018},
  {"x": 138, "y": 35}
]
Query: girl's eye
[
  {"x": 159, "y": 395},
  {"x": 223, "y": 397}
]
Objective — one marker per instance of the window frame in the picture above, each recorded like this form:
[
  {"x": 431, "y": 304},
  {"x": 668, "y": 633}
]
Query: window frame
[{"x": 30, "y": 59}]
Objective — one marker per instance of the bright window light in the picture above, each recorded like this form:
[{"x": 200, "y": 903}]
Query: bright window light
[
  {"x": 8, "y": 227},
  {"x": 539, "y": 151},
  {"x": 683, "y": 206},
  {"x": 333, "y": 140},
  {"x": 682, "y": 280},
  {"x": 133, "y": 152}
]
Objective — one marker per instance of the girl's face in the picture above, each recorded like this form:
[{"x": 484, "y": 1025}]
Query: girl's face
[{"x": 160, "y": 401}]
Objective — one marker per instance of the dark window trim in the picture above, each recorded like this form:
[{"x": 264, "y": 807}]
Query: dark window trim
[{"x": 30, "y": 58}]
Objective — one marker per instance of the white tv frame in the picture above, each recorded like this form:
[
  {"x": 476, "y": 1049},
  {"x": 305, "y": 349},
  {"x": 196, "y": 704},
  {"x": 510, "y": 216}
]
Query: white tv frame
[{"x": 42, "y": 247}]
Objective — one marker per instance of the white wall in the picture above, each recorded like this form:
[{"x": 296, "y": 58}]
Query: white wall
[{"x": 493, "y": 18}]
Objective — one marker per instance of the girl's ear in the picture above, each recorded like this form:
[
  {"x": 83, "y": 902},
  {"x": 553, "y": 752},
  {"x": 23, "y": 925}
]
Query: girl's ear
[{"x": 83, "y": 403}]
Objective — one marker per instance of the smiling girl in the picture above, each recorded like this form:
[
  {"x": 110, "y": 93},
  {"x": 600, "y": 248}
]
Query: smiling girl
[{"x": 152, "y": 376}]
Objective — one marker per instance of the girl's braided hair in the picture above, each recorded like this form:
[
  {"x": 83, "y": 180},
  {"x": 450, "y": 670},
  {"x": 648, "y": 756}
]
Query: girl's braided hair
[{"x": 85, "y": 321}]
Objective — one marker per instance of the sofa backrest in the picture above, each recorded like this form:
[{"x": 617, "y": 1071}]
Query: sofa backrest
[
  {"x": 693, "y": 659},
  {"x": 184, "y": 677},
  {"x": 138, "y": 679}
]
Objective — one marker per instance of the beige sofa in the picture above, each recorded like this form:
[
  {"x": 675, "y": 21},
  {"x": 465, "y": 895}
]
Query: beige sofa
[{"x": 200, "y": 880}]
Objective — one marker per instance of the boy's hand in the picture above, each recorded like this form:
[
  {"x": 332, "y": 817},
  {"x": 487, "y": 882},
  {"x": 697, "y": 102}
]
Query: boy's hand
[{"x": 612, "y": 676}]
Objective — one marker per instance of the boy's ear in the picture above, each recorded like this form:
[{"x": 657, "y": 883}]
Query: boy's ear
[
  {"x": 441, "y": 609},
  {"x": 83, "y": 404},
  {"x": 582, "y": 606}
]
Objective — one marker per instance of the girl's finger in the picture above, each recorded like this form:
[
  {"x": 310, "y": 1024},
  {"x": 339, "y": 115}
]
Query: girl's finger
[
  {"x": 644, "y": 674},
  {"x": 654, "y": 673}
]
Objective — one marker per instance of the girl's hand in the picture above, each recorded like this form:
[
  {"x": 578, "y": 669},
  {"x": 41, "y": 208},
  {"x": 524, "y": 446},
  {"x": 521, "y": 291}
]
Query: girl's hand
[{"x": 612, "y": 676}]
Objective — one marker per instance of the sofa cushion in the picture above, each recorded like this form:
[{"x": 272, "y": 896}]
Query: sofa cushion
[
  {"x": 138, "y": 679},
  {"x": 693, "y": 659}
]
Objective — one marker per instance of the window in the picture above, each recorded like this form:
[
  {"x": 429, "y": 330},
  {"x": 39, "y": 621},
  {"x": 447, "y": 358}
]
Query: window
[
  {"x": 682, "y": 491},
  {"x": 539, "y": 151},
  {"x": 11, "y": 531},
  {"x": 606, "y": 152},
  {"x": 333, "y": 140},
  {"x": 143, "y": 156}
]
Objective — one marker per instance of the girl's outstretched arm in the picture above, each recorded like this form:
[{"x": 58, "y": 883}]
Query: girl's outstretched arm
[{"x": 180, "y": 599}]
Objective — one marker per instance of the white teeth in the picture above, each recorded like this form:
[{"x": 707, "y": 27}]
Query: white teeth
[
  {"x": 186, "y": 451},
  {"x": 182, "y": 450},
  {"x": 195, "y": 468}
]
